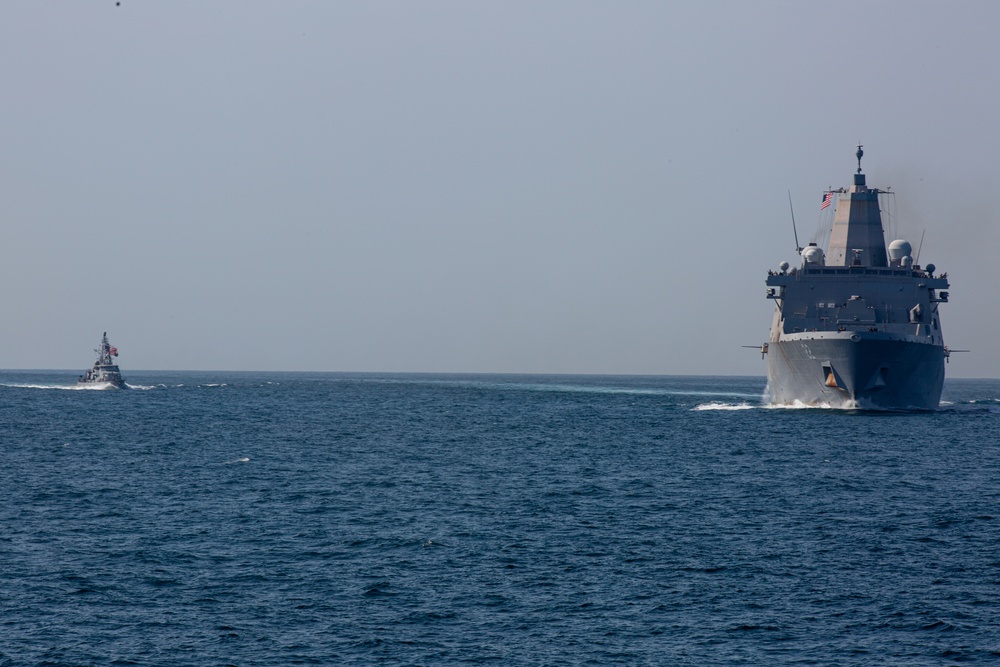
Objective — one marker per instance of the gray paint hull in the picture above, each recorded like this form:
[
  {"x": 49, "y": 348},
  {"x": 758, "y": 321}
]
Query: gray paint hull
[{"x": 867, "y": 371}]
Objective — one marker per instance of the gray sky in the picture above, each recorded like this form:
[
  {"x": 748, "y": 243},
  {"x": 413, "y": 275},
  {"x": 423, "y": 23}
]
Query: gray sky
[{"x": 566, "y": 187}]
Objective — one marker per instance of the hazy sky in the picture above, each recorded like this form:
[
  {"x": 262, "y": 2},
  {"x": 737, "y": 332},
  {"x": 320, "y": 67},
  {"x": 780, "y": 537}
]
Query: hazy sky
[{"x": 566, "y": 187}]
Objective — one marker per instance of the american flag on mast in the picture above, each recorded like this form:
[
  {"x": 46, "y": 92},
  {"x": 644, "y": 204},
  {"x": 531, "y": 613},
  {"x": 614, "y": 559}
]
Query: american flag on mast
[
  {"x": 114, "y": 351},
  {"x": 827, "y": 198}
]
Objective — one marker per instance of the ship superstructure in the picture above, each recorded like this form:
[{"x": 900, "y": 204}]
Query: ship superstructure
[{"x": 857, "y": 325}]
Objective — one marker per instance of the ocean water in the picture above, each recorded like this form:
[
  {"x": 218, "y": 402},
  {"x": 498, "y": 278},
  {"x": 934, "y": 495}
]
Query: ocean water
[{"x": 338, "y": 519}]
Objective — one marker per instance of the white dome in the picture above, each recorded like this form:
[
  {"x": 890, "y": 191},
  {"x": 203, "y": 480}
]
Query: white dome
[
  {"x": 813, "y": 255},
  {"x": 899, "y": 249}
]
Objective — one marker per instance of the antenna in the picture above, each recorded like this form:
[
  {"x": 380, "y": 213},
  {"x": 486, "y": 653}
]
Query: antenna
[
  {"x": 798, "y": 248},
  {"x": 916, "y": 260}
]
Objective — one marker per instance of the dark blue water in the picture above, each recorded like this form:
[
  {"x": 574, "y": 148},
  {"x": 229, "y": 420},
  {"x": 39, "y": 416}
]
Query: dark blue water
[{"x": 280, "y": 519}]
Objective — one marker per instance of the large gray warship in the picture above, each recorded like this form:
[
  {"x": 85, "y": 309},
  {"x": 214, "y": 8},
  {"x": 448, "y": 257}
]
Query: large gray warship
[{"x": 857, "y": 326}]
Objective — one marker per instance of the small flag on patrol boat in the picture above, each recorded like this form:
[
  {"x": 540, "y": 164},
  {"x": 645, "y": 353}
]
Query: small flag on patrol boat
[{"x": 827, "y": 198}]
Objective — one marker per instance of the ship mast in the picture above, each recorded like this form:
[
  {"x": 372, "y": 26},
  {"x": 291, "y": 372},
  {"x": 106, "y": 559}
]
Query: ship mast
[
  {"x": 104, "y": 351},
  {"x": 857, "y": 237}
]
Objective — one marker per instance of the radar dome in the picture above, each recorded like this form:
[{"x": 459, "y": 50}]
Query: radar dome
[
  {"x": 783, "y": 266},
  {"x": 930, "y": 268},
  {"x": 813, "y": 255},
  {"x": 899, "y": 249}
]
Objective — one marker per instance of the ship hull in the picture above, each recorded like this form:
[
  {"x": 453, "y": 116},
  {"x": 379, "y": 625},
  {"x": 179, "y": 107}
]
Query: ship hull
[
  {"x": 855, "y": 370},
  {"x": 110, "y": 383},
  {"x": 101, "y": 374}
]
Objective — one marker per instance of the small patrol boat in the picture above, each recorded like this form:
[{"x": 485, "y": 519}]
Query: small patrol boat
[
  {"x": 105, "y": 371},
  {"x": 857, "y": 326}
]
